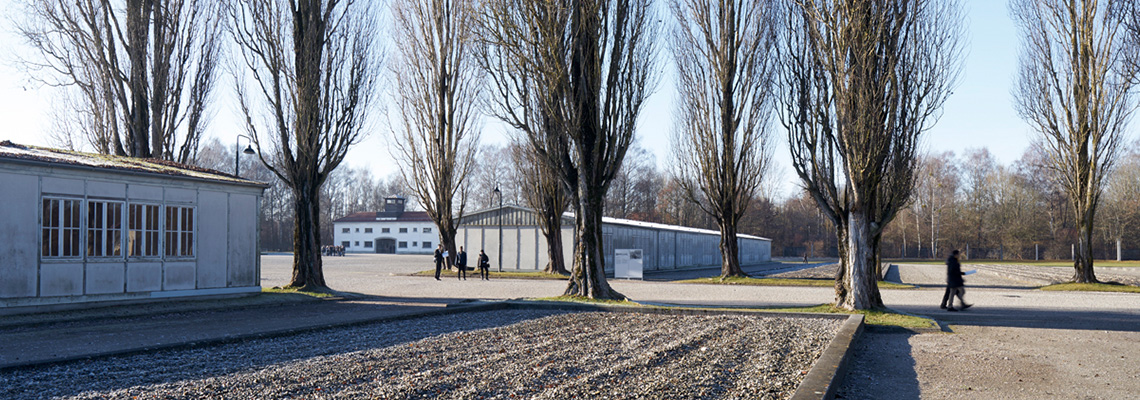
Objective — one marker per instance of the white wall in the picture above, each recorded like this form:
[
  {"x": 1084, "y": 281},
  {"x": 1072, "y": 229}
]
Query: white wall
[
  {"x": 225, "y": 238},
  {"x": 415, "y": 237}
]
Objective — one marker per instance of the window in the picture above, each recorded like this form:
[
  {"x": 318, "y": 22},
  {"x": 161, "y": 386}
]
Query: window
[
  {"x": 344, "y": 230},
  {"x": 367, "y": 230},
  {"x": 403, "y": 230},
  {"x": 357, "y": 244},
  {"x": 414, "y": 244},
  {"x": 427, "y": 245},
  {"x": 367, "y": 244},
  {"x": 345, "y": 244},
  {"x": 60, "y": 228},
  {"x": 104, "y": 229},
  {"x": 427, "y": 230},
  {"x": 403, "y": 245},
  {"x": 142, "y": 230},
  {"x": 357, "y": 230},
  {"x": 179, "y": 231},
  {"x": 384, "y": 230},
  {"x": 415, "y": 229}
]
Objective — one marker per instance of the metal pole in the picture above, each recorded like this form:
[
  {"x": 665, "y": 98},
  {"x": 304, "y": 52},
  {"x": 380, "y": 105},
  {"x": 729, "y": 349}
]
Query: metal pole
[
  {"x": 500, "y": 229},
  {"x": 237, "y": 151}
]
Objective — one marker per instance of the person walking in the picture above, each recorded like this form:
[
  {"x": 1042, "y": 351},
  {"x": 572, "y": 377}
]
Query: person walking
[
  {"x": 438, "y": 260},
  {"x": 461, "y": 264},
  {"x": 955, "y": 285},
  {"x": 484, "y": 266}
]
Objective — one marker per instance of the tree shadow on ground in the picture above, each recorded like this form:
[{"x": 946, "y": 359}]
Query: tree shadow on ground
[
  {"x": 882, "y": 367},
  {"x": 1032, "y": 318}
]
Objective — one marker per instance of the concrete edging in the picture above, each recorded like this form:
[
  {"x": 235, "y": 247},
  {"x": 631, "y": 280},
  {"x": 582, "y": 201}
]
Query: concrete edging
[{"x": 831, "y": 367}]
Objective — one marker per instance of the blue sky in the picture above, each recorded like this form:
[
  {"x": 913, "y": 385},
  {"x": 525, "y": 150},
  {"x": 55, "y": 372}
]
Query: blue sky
[{"x": 979, "y": 114}]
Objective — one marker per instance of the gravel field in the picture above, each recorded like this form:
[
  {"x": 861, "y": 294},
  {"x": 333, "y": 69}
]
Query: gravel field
[{"x": 492, "y": 354}]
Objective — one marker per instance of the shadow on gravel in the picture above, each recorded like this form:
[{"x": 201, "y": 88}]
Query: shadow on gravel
[
  {"x": 1023, "y": 318},
  {"x": 110, "y": 373},
  {"x": 882, "y": 366}
]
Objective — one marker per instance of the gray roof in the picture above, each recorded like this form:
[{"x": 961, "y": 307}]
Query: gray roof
[
  {"x": 569, "y": 216},
  {"x": 150, "y": 166}
]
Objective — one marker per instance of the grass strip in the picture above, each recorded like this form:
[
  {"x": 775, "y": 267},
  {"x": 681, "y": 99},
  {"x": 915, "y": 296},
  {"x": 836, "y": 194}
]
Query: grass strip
[
  {"x": 784, "y": 282},
  {"x": 297, "y": 291},
  {"x": 504, "y": 274},
  {"x": 1091, "y": 287}
]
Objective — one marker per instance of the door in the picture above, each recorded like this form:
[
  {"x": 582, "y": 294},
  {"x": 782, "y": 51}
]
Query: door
[{"x": 386, "y": 246}]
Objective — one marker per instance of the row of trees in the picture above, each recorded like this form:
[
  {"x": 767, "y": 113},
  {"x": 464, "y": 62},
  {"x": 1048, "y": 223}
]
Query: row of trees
[{"x": 853, "y": 83}]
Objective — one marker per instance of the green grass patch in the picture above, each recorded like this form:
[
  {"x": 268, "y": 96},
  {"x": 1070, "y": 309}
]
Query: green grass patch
[
  {"x": 293, "y": 290},
  {"x": 504, "y": 274},
  {"x": 1092, "y": 287},
  {"x": 784, "y": 282},
  {"x": 884, "y": 317},
  {"x": 1042, "y": 263}
]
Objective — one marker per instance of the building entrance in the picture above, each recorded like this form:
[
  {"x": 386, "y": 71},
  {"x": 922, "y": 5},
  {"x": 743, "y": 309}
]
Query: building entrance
[{"x": 386, "y": 246}]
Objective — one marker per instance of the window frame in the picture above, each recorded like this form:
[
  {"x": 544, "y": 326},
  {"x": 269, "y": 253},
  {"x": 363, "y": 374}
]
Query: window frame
[
  {"x": 79, "y": 245},
  {"x": 181, "y": 234},
  {"x": 158, "y": 231},
  {"x": 367, "y": 230},
  {"x": 403, "y": 230},
  {"x": 120, "y": 233}
]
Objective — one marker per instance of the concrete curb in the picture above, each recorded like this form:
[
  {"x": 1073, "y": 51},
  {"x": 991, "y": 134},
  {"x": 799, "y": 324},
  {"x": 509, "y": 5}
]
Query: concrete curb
[{"x": 831, "y": 367}]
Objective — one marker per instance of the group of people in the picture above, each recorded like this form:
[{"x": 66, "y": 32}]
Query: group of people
[
  {"x": 442, "y": 256},
  {"x": 330, "y": 250}
]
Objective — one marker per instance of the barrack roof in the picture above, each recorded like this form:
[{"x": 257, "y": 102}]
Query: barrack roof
[
  {"x": 626, "y": 222},
  {"x": 407, "y": 216},
  {"x": 36, "y": 154}
]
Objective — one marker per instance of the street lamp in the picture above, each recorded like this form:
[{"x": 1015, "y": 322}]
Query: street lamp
[
  {"x": 500, "y": 227},
  {"x": 248, "y": 150}
]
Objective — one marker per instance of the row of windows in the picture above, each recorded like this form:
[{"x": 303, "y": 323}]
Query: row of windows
[
  {"x": 101, "y": 228},
  {"x": 384, "y": 230},
  {"x": 402, "y": 245}
]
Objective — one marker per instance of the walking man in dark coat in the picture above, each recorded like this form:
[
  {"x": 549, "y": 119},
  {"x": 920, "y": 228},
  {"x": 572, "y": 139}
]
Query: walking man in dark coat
[
  {"x": 484, "y": 266},
  {"x": 438, "y": 260},
  {"x": 461, "y": 264},
  {"x": 955, "y": 285}
]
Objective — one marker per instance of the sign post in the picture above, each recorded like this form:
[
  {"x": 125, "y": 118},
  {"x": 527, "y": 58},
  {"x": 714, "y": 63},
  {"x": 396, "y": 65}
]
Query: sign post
[{"x": 628, "y": 263}]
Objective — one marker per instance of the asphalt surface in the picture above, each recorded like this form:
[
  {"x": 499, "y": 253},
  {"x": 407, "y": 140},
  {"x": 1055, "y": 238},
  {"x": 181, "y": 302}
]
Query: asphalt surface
[{"x": 381, "y": 286}]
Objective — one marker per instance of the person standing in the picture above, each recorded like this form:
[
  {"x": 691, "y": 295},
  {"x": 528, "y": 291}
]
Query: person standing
[
  {"x": 461, "y": 264},
  {"x": 438, "y": 260},
  {"x": 955, "y": 285},
  {"x": 484, "y": 266}
]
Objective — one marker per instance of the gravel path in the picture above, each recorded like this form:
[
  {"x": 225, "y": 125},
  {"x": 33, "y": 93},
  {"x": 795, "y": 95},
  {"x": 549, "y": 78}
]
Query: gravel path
[{"x": 494, "y": 354}]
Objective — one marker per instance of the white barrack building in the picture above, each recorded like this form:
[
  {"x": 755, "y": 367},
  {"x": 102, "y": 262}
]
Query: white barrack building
[
  {"x": 392, "y": 231},
  {"x": 665, "y": 247},
  {"x": 81, "y": 228}
]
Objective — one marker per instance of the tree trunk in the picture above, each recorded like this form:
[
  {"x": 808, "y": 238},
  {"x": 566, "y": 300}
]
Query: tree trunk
[
  {"x": 557, "y": 263},
  {"x": 860, "y": 290},
  {"x": 138, "y": 128},
  {"x": 589, "y": 276},
  {"x": 308, "y": 273},
  {"x": 729, "y": 251},
  {"x": 1083, "y": 262}
]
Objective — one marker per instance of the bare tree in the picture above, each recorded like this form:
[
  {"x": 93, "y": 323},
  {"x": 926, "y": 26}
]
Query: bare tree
[
  {"x": 724, "y": 55},
  {"x": 937, "y": 189},
  {"x": 572, "y": 77},
  {"x": 438, "y": 84},
  {"x": 542, "y": 190},
  {"x": 861, "y": 80},
  {"x": 314, "y": 66},
  {"x": 1074, "y": 87},
  {"x": 138, "y": 73}
]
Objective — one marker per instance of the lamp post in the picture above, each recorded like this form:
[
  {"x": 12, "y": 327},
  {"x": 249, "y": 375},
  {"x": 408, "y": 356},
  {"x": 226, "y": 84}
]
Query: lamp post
[
  {"x": 248, "y": 150},
  {"x": 500, "y": 227}
]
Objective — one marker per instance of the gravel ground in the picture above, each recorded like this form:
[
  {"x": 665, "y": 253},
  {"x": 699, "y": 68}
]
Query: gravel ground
[
  {"x": 820, "y": 272},
  {"x": 494, "y": 354}
]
